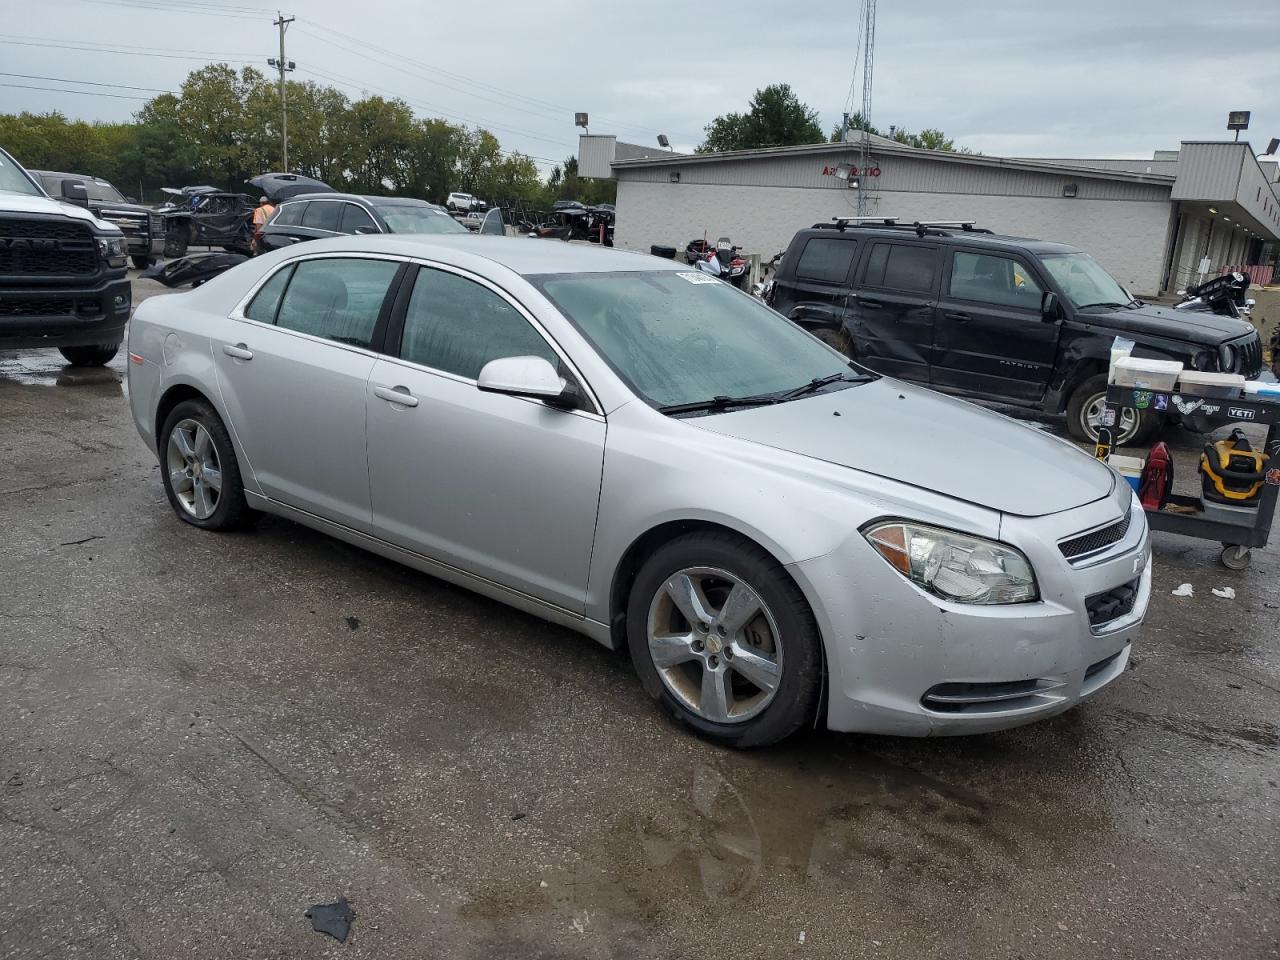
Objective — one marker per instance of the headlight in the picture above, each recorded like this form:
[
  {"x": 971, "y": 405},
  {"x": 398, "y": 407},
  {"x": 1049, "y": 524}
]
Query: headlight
[
  {"x": 954, "y": 566},
  {"x": 112, "y": 250},
  {"x": 1203, "y": 360},
  {"x": 1226, "y": 358}
]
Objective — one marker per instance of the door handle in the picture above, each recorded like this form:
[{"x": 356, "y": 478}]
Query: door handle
[
  {"x": 871, "y": 304},
  {"x": 239, "y": 351},
  {"x": 397, "y": 394},
  {"x": 959, "y": 317}
]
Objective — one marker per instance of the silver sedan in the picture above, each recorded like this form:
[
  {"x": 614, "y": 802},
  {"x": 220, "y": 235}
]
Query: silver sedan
[{"x": 648, "y": 456}]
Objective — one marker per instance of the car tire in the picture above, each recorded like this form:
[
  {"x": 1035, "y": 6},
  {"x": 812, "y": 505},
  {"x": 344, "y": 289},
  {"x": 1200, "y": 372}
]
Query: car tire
[
  {"x": 204, "y": 441},
  {"x": 175, "y": 244},
  {"x": 836, "y": 338},
  {"x": 98, "y": 355},
  {"x": 1084, "y": 402},
  {"x": 141, "y": 262},
  {"x": 780, "y": 642}
]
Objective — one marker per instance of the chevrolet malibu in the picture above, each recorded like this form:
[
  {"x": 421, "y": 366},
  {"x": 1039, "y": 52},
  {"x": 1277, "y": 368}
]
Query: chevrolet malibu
[{"x": 648, "y": 456}]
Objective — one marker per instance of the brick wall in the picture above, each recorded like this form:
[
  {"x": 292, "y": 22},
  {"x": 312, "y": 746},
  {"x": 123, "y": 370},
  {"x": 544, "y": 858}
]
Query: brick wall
[{"x": 1127, "y": 237}]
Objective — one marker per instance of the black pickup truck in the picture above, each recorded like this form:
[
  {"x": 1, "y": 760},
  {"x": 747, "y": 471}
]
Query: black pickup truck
[
  {"x": 142, "y": 227},
  {"x": 1023, "y": 322},
  {"x": 63, "y": 280}
]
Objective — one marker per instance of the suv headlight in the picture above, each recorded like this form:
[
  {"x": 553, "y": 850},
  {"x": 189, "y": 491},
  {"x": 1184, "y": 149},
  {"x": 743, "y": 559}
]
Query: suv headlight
[
  {"x": 1226, "y": 358},
  {"x": 955, "y": 566},
  {"x": 112, "y": 250}
]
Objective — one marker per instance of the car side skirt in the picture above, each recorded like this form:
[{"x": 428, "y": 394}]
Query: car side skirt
[{"x": 495, "y": 591}]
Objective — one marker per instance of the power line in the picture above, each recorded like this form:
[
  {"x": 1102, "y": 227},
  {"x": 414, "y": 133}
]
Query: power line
[
  {"x": 83, "y": 93},
  {"x": 86, "y": 83},
  {"x": 204, "y": 9},
  {"x": 126, "y": 51}
]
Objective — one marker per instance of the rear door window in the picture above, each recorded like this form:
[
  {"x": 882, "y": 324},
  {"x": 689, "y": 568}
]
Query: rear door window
[
  {"x": 290, "y": 214},
  {"x": 900, "y": 266},
  {"x": 322, "y": 215},
  {"x": 337, "y": 298},
  {"x": 267, "y": 300},
  {"x": 826, "y": 260},
  {"x": 355, "y": 216}
]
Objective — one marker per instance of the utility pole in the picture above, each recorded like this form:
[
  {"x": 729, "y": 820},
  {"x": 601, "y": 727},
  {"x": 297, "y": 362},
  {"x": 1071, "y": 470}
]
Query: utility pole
[
  {"x": 868, "y": 63},
  {"x": 283, "y": 66}
]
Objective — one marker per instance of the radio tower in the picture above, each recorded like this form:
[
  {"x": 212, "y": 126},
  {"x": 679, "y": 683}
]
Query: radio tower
[{"x": 868, "y": 62}]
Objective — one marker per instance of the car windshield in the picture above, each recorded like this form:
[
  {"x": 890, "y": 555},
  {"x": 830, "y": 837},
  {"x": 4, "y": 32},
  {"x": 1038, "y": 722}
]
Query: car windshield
[
  {"x": 410, "y": 218},
  {"x": 1084, "y": 281},
  {"x": 686, "y": 338},
  {"x": 101, "y": 190},
  {"x": 12, "y": 180}
]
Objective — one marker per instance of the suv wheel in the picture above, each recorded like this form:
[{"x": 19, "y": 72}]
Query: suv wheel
[
  {"x": 93, "y": 356},
  {"x": 724, "y": 640},
  {"x": 1085, "y": 409},
  {"x": 837, "y": 338},
  {"x": 199, "y": 470}
]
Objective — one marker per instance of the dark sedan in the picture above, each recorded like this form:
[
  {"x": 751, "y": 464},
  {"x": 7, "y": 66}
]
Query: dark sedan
[{"x": 318, "y": 215}]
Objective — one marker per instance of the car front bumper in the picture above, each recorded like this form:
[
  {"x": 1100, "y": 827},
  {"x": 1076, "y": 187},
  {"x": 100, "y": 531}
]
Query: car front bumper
[
  {"x": 64, "y": 316},
  {"x": 902, "y": 661}
]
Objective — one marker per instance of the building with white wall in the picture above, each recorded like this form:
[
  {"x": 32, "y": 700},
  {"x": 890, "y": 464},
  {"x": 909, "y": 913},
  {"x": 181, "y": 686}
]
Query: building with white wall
[{"x": 1151, "y": 223}]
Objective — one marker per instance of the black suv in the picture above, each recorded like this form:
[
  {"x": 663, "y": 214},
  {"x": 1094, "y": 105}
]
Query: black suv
[
  {"x": 968, "y": 312},
  {"x": 62, "y": 271},
  {"x": 143, "y": 229}
]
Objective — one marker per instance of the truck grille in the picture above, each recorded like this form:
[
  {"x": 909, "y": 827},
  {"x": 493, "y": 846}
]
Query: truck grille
[
  {"x": 1112, "y": 604},
  {"x": 46, "y": 247},
  {"x": 45, "y": 306},
  {"x": 1089, "y": 543},
  {"x": 1248, "y": 356}
]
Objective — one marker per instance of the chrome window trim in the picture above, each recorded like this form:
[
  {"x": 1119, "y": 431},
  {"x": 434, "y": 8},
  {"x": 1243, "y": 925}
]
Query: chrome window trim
[{"x": 237, "y": 313}]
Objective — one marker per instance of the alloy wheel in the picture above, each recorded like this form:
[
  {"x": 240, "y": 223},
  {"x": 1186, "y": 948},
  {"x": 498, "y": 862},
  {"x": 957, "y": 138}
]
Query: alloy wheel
[
  {"x": 1092, "y": 417},
  {"x": 194, "y": 470},
  {"x": 715, "y": 644}
]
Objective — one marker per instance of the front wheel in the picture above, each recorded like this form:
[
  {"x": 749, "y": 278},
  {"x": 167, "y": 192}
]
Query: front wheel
[
  {"x": 94, "y": 356},
  {"x": 837, "y": 337},
  {"x": 199, "y": 470},
  {"x": 1085, "y": 411},
  {"x": 141, "y": 260},
  {"x": 724, "y": 640}
]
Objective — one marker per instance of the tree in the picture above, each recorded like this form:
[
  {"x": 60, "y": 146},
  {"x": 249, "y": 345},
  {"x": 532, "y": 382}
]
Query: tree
[
  {"x": 929, "y": 138},
  {"x": 775, "y": 118}
]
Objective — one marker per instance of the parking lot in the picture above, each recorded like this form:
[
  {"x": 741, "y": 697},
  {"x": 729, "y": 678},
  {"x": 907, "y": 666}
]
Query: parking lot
[{"x": 203, "y": 735}]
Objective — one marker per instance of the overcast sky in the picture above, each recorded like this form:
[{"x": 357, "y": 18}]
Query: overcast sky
[{"x": 1118, "y": 78}]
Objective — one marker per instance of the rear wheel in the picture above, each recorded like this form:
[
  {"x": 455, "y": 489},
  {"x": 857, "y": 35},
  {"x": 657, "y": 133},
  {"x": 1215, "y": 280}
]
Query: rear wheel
[
  {"x": 175, "y": 242},
  {"x": 199, "y": 470},
  {"x": 92, "y": 356},
  {"x": 724, "y": 640},
  {"x": 141, "y": 261},
  {"x": 1085, "y": 411}
]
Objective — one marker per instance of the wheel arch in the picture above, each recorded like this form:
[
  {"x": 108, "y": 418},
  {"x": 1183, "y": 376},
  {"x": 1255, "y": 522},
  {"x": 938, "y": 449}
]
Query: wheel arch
[
  {"x": 173, "y": 396},
  {"x": 649, "y": 542}
]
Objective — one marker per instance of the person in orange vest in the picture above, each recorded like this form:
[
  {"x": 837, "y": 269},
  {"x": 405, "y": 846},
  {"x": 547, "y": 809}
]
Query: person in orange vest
[{"x": 261, "y": 214}]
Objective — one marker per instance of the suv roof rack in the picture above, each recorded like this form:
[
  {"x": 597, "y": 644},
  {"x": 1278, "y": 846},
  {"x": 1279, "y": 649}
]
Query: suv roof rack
[{"x": 937, "y": 228}]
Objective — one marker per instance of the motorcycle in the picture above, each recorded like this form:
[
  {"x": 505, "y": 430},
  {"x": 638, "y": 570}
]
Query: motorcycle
[
  {"x": 1224, "y": 295},
  {"x": 722, "y": 262}
]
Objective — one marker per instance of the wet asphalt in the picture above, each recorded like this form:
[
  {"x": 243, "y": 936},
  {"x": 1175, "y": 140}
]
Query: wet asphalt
[{"x": 203, "y": 735}]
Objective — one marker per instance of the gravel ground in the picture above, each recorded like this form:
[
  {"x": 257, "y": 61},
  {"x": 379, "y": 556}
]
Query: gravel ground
[{"x": 203, "y": 735}]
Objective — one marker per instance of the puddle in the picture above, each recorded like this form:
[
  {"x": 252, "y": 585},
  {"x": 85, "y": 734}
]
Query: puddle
[{"x": 47, "y": 368}]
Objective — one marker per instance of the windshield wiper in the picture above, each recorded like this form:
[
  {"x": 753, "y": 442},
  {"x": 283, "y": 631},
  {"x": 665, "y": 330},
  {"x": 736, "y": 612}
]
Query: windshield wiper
[
  {"x": 718, "y": 403},
  {"x": 1086, "y": 306},
  {"x": 819, "y": 382}
]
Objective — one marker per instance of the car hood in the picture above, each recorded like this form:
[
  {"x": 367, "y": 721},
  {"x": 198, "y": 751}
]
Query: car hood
[
  {"x": 108, "y": 207},
  {"x": 918, "y": 437},
  {"x": 24, "y": 203},
  {"x": 1189, "y": 325}
]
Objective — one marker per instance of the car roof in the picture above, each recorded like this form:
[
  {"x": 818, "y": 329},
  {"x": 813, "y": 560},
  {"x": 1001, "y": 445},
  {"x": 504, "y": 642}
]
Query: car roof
[
  {"x": 71, "y": 176},
  {"x": 968, "y": 237},
  {"x": 361, "y": 198},
  {"x": 522, "y": 255}
]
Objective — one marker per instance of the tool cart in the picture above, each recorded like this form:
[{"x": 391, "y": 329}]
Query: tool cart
[{"x": 1239, "y": 492}]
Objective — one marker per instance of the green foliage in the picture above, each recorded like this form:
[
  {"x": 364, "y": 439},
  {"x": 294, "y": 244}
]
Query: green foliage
[
  {"x": 775, "y": 118},
  {"x": 929, "y": 138},
  {"x": 223, "y": 127}
]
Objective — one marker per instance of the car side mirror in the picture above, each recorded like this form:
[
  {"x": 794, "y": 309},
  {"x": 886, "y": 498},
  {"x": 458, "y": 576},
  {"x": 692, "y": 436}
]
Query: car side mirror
[
  {"x": 1050, "y": 309},
  {"x": 522, "y": 377},
  {"x": 365, "y": 230},
  {"x": 131, "y": 199},
  {"x": 73, "y": 191}
]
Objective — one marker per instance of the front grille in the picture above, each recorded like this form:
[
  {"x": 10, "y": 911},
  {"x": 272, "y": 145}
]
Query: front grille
[
  {"x": 1248, "y": 356},
  {"x": 1095, "y": 540},
  {"x": 47, "y": 307},
  {"x": 1113, "y": 604},
  {"x": 46, "y": 247}
]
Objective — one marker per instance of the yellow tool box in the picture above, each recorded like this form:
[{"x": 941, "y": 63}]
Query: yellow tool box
[{"x": 1231, "y": 471}]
